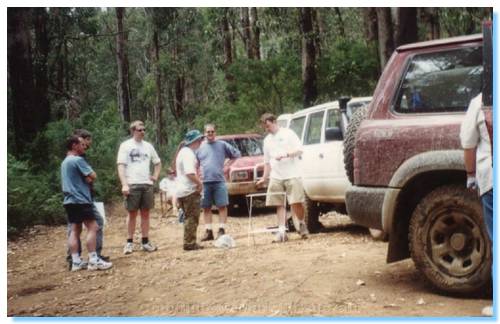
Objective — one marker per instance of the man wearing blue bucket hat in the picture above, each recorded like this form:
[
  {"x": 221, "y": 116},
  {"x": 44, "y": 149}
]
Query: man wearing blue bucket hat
[{"x": 189, "y": 187}]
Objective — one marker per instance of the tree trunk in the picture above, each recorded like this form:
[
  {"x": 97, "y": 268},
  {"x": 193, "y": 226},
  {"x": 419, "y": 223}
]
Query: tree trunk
[
  {"x": 228, "y": 57},
  {"x": 255, "y": 33},
  {"x": 310, "y": 92},
  {"x": 247, "y": 35},
  {"x": 406, "y": 26},
  {"x": 41, "y": 54},
  {"x": 20, "y": 67},
  {"x": 370, "y": 24},
  {"x": 430, "y": 17},
  {"x": 159, "y": 99},
  {"x": 122, "y": 63},
  {"x": 317, "y": 30},
  {"x": 340, "y": 24},
  {"x": 385, "y": 35},
  {"x": 179, "y": 95}
]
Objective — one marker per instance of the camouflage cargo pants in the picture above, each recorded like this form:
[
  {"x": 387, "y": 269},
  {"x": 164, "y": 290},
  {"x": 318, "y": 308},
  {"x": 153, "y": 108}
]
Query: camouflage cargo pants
[{"x": 191, "y": 206}]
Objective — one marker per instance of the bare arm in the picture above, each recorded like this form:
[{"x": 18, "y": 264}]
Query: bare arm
[
  {"x": 91, "y": 177},
  {"x": 156, "y": 172},
  {"x": 193, "y": 177},
  {"x": 265, "y": 176},
  {"x": 470, "y": 161},
  {"x": 123, "y": 179},
  {"x": 290, "y": 154}
]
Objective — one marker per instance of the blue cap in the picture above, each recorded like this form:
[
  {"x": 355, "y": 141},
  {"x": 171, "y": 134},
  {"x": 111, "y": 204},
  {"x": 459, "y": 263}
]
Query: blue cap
[{"x": 192, "y": 136}]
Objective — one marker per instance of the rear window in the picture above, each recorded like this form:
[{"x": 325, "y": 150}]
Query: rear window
[
  {"x": 247, "y": 146},
  {"x": 441, "y": 82}
]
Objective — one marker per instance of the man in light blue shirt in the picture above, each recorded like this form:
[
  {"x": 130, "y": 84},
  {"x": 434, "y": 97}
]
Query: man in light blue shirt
[
  {"x": 212, "y": 154},
  {"x": 76, "y": 175}
]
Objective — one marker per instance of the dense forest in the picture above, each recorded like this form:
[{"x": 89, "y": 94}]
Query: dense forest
[{"x": 178, "y": 68}]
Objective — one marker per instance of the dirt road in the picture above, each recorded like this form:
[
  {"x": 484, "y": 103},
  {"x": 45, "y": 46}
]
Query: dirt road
[{"x": 338, "y": 273}]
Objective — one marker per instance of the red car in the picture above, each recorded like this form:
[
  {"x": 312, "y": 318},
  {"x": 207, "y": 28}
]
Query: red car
[{"x": 242, "y": 173}]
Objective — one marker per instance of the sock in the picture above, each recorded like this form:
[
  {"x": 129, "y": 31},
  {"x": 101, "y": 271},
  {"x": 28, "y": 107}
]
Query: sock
[
  {"x": 145, "y": 240},
  {"x": 282, "y": 228},
  {"x": 130, "y": 240},
  {"x": 208, "y": 226},
  {"x": 75, "y": 257},
  {"x": 93, "y": 257},
  {"x": 222, "y": 225}
]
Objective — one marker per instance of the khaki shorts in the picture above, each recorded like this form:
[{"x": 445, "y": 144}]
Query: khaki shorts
[
  {"x": 292, "y": 187},
  {"x": 140, "y": 196}
]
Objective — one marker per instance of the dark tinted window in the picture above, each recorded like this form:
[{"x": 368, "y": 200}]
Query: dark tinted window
[
  {"x": 441, "y": 82},
  {"x": 247, "y": 146}
]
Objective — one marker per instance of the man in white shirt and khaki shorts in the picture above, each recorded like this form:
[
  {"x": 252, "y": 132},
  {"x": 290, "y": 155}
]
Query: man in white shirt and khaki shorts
[
  {"x": 134, "y": 162},
  {"x": 282, "y": 148}
]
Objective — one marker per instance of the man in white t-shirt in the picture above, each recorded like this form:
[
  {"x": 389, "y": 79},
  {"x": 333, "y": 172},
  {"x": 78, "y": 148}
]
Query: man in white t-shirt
[
  {"x": 476, "y": 138},
  {"x": 282, "y": 148},
  {"x": 134, "y": 161},
  {"x": 189, "y": 187}
]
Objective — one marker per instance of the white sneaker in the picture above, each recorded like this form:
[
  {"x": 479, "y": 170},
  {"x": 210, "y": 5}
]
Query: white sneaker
[
  {"x": 129, "y": 248},
  {"x": 148, "y": 247},
  {"x": 280, "y": 237},
  {"x": 99, "y": 265},
  {"x": 487, "y": 311},
  {"x": 79, "y": 266}
]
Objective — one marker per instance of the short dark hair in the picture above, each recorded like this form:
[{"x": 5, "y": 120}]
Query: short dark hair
[
  {"x": 267, "y": 117},
  {"x": 72, "y": 140},
  {"x": 83, "y": 133}
]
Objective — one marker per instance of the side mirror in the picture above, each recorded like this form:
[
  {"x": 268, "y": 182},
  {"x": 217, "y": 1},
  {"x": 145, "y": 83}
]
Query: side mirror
[{"x": 333, "y": 134}]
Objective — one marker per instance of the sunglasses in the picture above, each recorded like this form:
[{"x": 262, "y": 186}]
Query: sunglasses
[
  {"x": 140, "y": 130},
  {"x": 210, "y": 132}
]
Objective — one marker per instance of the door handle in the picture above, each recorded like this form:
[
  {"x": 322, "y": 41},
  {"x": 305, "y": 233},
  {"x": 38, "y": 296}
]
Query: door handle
[{"x": 321, "y": 155}]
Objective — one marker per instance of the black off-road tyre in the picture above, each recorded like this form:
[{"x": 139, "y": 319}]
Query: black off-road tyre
[
  {"x": 448, "y": 241},
  {"x": 350, "y": 140},
  {"x": 312, "y": 216}
]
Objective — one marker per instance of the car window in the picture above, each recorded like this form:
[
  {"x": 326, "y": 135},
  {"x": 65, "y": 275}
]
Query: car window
[
  {"x": 297, "y": 125},
  {"x": 352, "y": 107},
  {"x": 247, "y": 146},
  {"x": 313, "y": 129},
  {"x": 332, "y": 128},
  {"x": 333, "y": 118},
  {"x": 441, "y": 82}
]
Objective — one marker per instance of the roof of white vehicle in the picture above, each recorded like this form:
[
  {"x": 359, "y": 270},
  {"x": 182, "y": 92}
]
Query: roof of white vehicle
[
  {"x": 331, "y": 104},
  {"x": 359, "y": 99},
  {"x": 284, "y": 116}
]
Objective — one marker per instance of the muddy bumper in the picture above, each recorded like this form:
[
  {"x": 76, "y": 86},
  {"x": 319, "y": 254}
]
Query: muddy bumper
[
  {"x": 242, "y": 188},
  {"x": 364, "y": 205}
]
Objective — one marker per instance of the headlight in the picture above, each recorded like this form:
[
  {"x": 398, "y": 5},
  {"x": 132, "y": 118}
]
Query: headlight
[{"x": 239, "y": 176}]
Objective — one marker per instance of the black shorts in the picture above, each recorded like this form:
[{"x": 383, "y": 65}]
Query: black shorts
[{"x": 77, "y": 213}]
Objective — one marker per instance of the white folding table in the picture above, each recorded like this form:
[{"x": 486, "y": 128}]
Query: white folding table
[{"x": 249, "y": 199}]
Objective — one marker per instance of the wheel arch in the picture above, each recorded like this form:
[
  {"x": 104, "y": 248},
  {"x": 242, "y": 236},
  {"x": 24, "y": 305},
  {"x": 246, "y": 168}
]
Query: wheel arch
[{"x": 413, "y": 180}]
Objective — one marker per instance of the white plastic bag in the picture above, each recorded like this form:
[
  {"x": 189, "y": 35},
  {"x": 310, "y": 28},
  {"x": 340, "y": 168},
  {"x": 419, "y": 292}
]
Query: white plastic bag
[{"x": 225, "y": 241}]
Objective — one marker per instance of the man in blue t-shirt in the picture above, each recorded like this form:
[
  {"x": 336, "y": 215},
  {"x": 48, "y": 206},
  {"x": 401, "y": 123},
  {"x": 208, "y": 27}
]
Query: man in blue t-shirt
[
  {"x": 76, "y": 177},
  {"x": 212, "y": 154}
]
